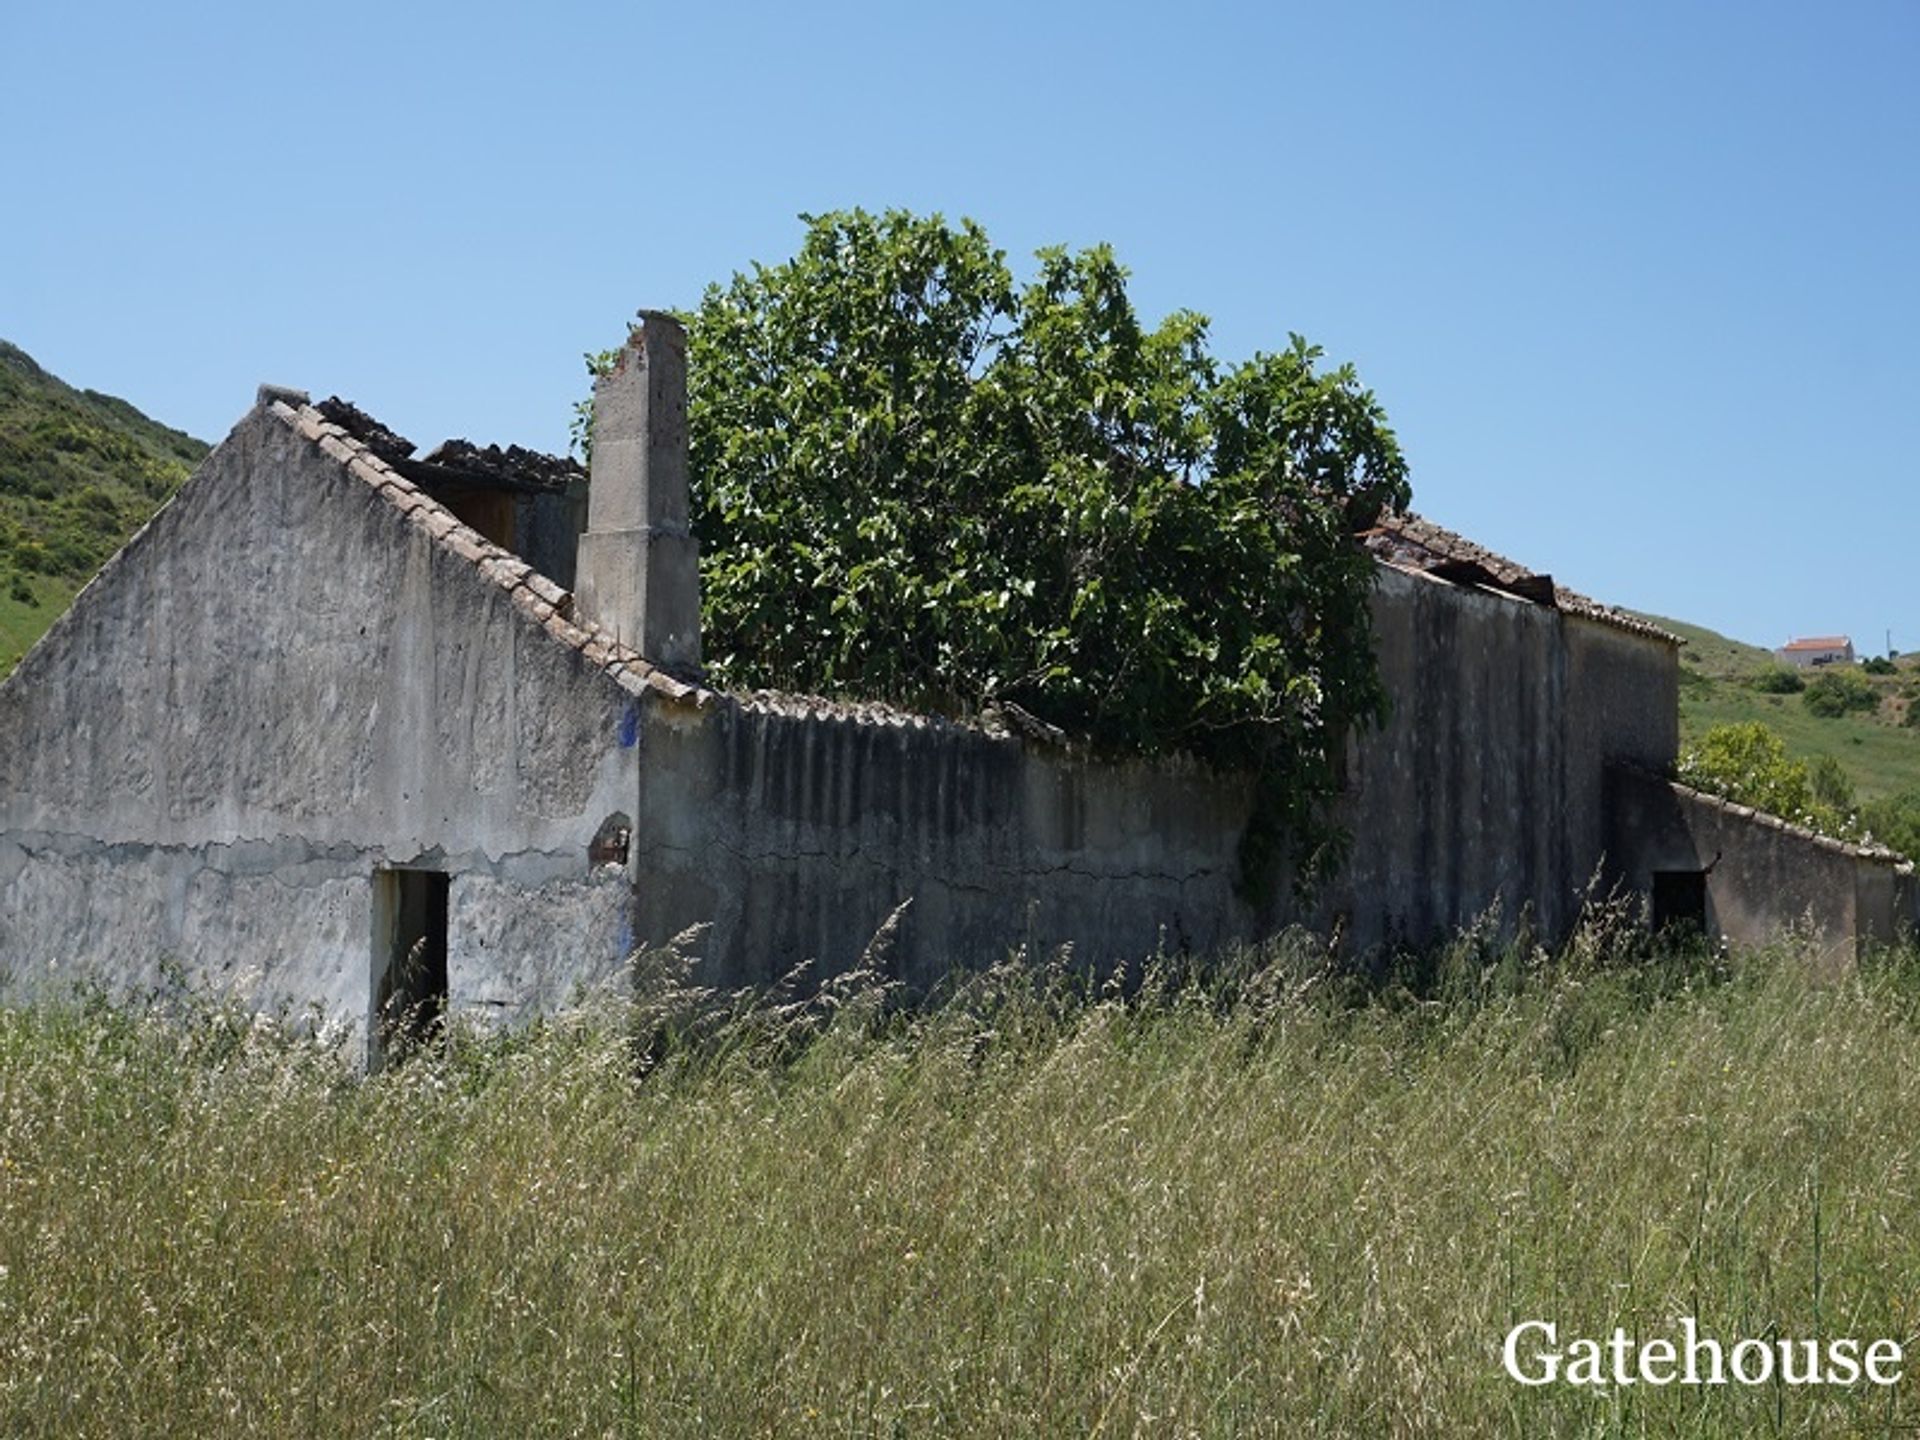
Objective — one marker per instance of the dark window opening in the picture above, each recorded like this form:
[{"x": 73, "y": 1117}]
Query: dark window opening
[
  {"x": 410, "y": 960},
  {"x": 1680, "y": 900},
  {"x": 491, "y": 512}
]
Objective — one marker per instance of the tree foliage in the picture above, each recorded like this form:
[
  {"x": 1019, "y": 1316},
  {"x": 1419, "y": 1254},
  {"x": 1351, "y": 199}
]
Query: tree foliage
[
  {"x": 918, "y": 479},
  {"x": 1749, "y": 764}
]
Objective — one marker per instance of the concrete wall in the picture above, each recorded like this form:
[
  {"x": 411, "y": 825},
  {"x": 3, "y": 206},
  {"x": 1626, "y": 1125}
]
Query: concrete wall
[
  {"x": 1456, "y": 803},
  {"x": 1764, "y": 875},
  {"x": 1622, "y": 705},
  {"x": 280, "y": 685},
  {"x": 795, "y": 835}
]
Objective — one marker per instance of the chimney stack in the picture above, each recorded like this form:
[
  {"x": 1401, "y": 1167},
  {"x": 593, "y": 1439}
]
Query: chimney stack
[{"x": 639, "y": 570}]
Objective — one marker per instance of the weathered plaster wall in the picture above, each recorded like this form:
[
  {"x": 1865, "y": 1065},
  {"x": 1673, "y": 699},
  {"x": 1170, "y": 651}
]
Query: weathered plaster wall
[
  {"x": 795, "y": 835},
  {"x": 279, "y": 686},
  {"x": 1764, "y": 876},
  {"x": 1454, "y": 803},
  {"x": 1622, "y": 704},
  {"x": 1484, "y": 786}
]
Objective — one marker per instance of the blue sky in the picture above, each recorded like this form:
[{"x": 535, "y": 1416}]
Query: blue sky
[{"x": 1637, "y": 283}]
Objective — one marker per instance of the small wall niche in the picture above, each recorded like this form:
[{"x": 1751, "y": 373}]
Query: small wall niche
[
  {"x": 610, "y": 841},
  {"x": 409, "y": 989}
]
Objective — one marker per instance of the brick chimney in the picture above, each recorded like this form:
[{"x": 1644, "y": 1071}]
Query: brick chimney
[{"x": 639, "y": 571}]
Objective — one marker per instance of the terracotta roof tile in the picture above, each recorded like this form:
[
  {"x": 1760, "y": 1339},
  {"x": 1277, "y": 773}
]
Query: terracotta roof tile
[
  {"x": 1410, "y": 542},
  {"x": 1819, "y": 642}
]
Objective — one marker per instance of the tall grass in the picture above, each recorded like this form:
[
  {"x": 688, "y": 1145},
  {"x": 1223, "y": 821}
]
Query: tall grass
[{"x": 1251, "y": 1205}]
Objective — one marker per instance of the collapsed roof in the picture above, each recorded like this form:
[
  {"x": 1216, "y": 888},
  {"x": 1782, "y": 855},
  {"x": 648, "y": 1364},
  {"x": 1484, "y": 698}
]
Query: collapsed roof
[
  {"x": 1408, "y": 542},
  {"x": 455, "y": 461}
]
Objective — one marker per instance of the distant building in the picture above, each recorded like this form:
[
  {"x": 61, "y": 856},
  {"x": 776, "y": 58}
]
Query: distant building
[{"x": 1815, "y": 651}]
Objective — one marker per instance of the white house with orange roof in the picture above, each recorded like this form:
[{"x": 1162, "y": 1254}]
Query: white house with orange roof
[{"x": 1815, "y": 651}]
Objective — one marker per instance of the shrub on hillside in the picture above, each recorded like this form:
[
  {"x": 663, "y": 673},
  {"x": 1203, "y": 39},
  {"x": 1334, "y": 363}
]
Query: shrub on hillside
[
  {"x": 1830, "y": 786},
  {"x": 1749, "y": 765},
  {"x": 1877, "y": 665},
  {"x": 1895, "y": 822},
  {"x": 1779, "y": 680},
  {"x": 1834, "y": 693}
]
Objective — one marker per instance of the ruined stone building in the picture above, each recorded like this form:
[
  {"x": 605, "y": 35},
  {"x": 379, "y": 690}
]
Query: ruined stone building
[{"x": 336, "y": 707}]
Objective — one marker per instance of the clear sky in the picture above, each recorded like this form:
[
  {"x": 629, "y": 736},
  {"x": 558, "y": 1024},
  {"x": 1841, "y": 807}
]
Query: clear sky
[{"x": 1638, "y": 283}]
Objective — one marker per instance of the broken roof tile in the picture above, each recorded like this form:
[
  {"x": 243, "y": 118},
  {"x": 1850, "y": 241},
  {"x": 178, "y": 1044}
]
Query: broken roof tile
[{"x": 1410, "y": 542}]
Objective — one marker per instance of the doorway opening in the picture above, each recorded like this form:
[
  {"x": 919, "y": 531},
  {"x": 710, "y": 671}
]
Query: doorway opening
[
  {"x": 1680, "y": 900},
  {"x": 409, "y": 962}
]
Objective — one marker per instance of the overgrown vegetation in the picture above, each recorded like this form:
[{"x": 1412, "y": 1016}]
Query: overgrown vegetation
[
  {"x": 79, "y": 473},
  {"x": 1838, "y": 691},
  {"x": 1749, "y": 764},
  {"x": 920, "y": 480},
  {"x": 1255, "y": 1206},
  {"x": 1779, "y": 680}
]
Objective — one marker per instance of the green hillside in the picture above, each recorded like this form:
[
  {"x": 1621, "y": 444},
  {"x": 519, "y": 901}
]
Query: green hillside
[
  {"x": 1711, "y": 653},
  {"x": 79, "y": 473},
  {"x": 1722, "y": 682}
]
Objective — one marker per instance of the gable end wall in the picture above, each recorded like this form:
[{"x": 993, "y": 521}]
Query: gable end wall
[{"x": 280, "y": 686}]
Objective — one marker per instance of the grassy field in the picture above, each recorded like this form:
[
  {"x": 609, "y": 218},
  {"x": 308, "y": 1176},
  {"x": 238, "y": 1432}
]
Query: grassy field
[{"x": 1257, "y": 1208}]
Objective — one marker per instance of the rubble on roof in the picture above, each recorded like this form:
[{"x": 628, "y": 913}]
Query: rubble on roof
[
  {"x": 514, "y": 466},
  {"x": 459, "y": 462},
  {"x": 367, "y": 430}
]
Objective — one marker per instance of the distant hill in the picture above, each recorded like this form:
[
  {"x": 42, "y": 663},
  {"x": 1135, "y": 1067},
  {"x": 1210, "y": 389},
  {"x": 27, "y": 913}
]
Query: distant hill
[
  {"x": 1709, "y": 652},
  {"x": 79, "y": 473},
  {"x": 1877, "y": 749}
]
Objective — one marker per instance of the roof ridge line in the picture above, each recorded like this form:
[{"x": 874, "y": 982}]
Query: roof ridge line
[
  {"x": 551, "y": 607},
  {"x": 1415, "y": 528}
]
